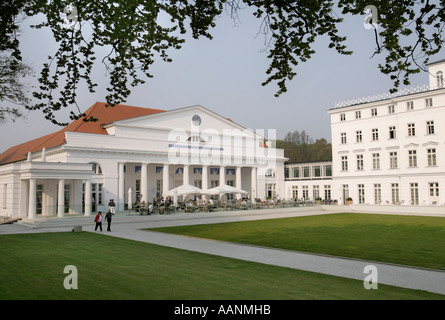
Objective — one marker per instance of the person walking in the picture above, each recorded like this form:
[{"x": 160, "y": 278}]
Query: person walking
[
  {"x": 112, "y": 206},
  {"x": 98, "y": 220},
  {"x": 108, "y": 218}
]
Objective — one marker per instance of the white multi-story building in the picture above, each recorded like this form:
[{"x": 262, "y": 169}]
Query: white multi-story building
[
  {"x": 133, "y": 153},
  {"x": 390, "y": 149}
]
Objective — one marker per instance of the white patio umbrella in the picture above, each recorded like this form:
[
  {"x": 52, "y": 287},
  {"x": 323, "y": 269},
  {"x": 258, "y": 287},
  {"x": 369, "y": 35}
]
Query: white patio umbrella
[
  {"x": 184, "y": 190},
  {"x": 221, "y": 190}
]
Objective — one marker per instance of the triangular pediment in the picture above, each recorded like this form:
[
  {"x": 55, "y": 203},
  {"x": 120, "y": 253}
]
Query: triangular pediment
[{"x": 191, "y": 119}]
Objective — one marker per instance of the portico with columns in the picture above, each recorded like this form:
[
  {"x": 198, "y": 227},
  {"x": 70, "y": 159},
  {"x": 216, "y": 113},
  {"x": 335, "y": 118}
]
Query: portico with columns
[
  {"x": 132, "y": 154},
  {"x": 153, "y": 180}
]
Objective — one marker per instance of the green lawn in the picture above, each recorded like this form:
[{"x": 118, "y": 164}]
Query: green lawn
[
  {"x": 31, "y": 267},
  {"x": 407, "y": 240}
]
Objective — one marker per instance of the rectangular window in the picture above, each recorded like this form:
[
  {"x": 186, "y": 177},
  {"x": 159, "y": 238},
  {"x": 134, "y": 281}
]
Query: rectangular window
[
  {"x": 395, "y": 193},
  {"x": 412, "y": 158},
  {"x": 328, "y": 170},
  {"x": 294, "y": 192},
  {"x": 359, "y": 162},
  {"x": 393, "y": 160},
  {"x": 342, "y": 117},
  {"x": 198, "y": 183},
  {"x": 376, "y": 160},
  {"x": 434, "y": 189},
  {"x": 430, "y": 127},
  {"x": 39, "y": 198},
  {"x": 343, "y": 137},
  {"x": 99, "y": 193},
  {"x": 344, "y": 163},
  {"x": 358, "y": 135},
  {"x": 431, "y": 157},
  {"x": 361, "y": 193},
  {"x": 286, "y": 173},
  {"x": 410, "y": 105},
  {"x": 377, "y": 193},
  {"x": 414, "y": 188},
  {"x": 327, "y": 192},
  {"x": 296, "y": 171},
  {"x": 306, "y": 172},
  {"x": 305, "y": 192},
  {"x": 374, "y": 112},
  {"x": 391, "y": 109},
  {"x": 428, "y": 102},
  {"x": 67, "y": 198},
  {"x": 358, "y": 114},
  {"x": 317, "y": 171},
  {"x": 375, "y": 134},
  {"x": 392, "y": 132},
  {"x": 159, "y": 188},
  {"x": 411, "y": 129},
  {"x": 315, "y": 192}
]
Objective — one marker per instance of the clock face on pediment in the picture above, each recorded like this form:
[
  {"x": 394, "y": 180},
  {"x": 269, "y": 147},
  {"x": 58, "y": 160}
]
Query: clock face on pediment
[{"x": 196, "y": 120}]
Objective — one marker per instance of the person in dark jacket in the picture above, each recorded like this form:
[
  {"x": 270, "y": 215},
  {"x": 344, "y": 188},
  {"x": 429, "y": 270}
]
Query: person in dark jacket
[{"x": 108, "y": 218}]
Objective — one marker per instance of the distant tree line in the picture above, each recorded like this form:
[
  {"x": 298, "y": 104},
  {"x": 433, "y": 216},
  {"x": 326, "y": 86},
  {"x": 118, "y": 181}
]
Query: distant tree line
[{"x": 299, "y": 147}]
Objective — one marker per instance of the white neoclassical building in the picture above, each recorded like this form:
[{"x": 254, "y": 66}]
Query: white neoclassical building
[
  {"x": 130, "y": 153},
  {"x": 390, "y": 149}
]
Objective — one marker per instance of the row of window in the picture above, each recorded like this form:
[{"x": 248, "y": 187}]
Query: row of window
[
  {"x": 304, "y": 172},
  {"x": 315, "y": 192},
  {"x": 393, "y": 160},
  {"x": 433, "y": 188},
  {"x": 392, "y": 132},
  {"x": 391, "y": 109}
]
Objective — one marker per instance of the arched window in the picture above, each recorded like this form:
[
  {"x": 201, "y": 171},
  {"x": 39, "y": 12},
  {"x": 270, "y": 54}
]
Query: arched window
[
  {"x": 96, "y": 168},
  {"x": 439, "y": 77},
  {"x": 270, "y": 173}
]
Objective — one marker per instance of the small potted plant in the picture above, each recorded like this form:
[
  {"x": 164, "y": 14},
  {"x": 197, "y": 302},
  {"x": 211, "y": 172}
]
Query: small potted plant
[{"x": 349, "y": 201}]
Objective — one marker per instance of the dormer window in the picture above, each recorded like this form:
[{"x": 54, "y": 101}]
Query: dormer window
[{"x": 439, "y": 77}]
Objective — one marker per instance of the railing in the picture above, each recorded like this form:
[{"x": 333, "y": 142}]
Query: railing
[{"x": 384, "y": 96}]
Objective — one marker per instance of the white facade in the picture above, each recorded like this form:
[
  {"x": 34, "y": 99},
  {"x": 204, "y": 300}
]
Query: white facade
[
  {"x": 143, "y": 156},
  {"x": 392, "y": 151},
  {"x": 309, "y": 181}
]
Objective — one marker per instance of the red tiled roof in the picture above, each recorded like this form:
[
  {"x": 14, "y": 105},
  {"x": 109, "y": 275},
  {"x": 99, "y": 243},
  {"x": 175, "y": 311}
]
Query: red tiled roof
[{"x": 99, "y": 110}]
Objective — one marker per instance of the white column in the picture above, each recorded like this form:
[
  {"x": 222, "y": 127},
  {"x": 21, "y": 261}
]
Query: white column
[
  {"x": 205, "y": 180},
  {"x": 121, "y": 188},
  {"x": 130, "y": 199},
  {"x": 253, "y": 188},
  {"x": 238, "y": 181},
  {"x": 144, "y": 182},
  {"x": 87, "y": 197},
  {"x": 222, "y": 175},
  {"x": 205, "y": 177},
  {"x": 186, "y": 174},
  {"x": 61, "y": 199},
  {"x": 32, "y": 198},
  {"x": 165, "y": 178}
]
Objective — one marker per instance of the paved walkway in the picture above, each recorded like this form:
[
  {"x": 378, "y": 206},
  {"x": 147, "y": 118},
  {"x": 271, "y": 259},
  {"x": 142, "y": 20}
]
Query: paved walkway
[{"x": 400, "y": 276}]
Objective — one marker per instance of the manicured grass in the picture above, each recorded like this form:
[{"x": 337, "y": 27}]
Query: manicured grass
[
  {"x": 408, "y": 240},
  {"x": 31, "y": 267}
]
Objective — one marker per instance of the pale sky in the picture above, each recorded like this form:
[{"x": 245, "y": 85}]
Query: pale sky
[{"x": 225, "y": 76}]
